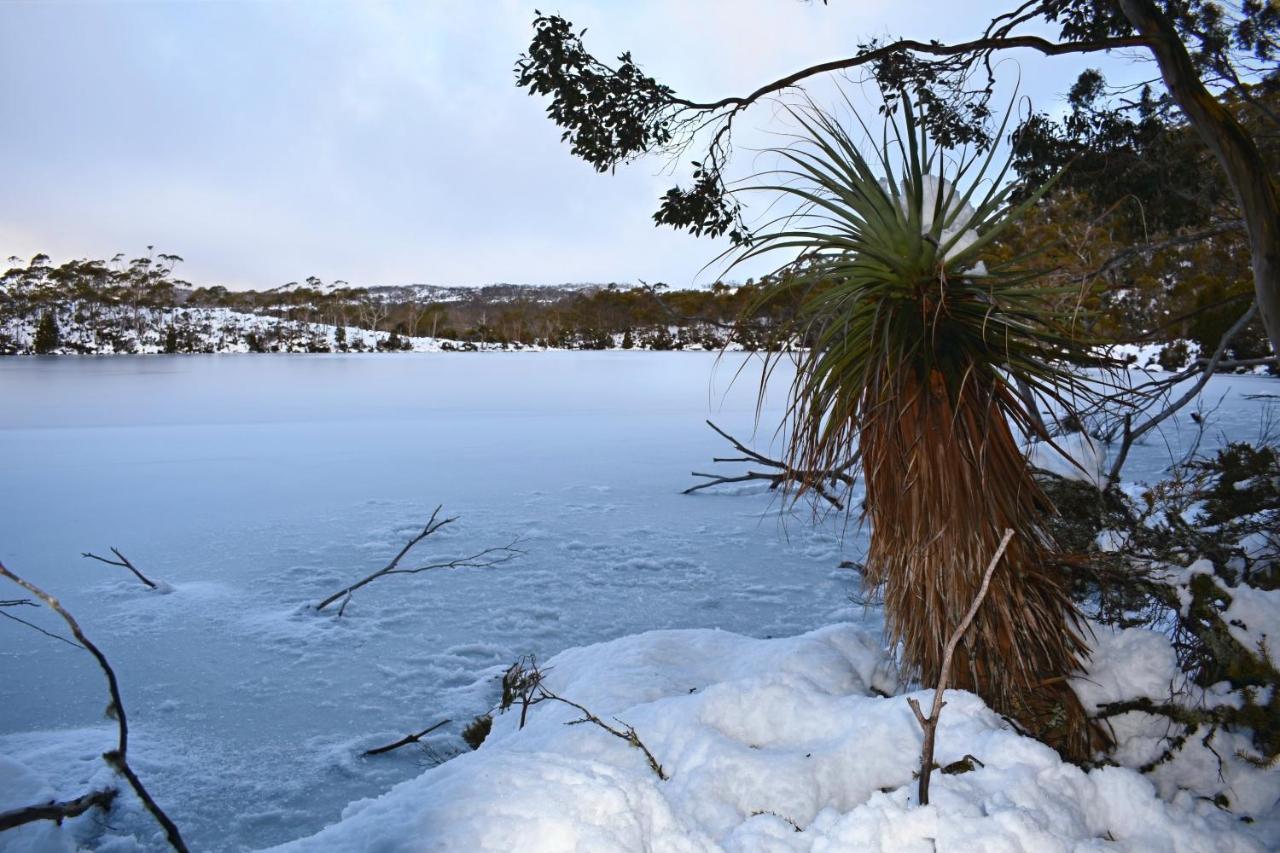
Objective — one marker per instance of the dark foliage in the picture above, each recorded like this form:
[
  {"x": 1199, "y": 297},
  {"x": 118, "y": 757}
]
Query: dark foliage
[
  {"x": 47, "y": 335},
  {"x": 609, "y": 115},
  {"x": 1179, "y": 556},
  {"x": 477, "y": 730}
]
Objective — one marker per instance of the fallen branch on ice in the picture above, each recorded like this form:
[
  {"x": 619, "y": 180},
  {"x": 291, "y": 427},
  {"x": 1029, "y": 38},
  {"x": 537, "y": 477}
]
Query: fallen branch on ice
[
  {"x": 486, "y": 559},
  {"x": 124, "y": 563},
  {"x": 116, "y": 758},
  {"x": 58, "y": 811},
  {"x": 406, "y": 740},
  {"x": 782, "y": 474}
]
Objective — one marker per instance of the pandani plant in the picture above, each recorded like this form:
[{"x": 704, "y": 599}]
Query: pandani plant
[{"x": 911, "y": 351}]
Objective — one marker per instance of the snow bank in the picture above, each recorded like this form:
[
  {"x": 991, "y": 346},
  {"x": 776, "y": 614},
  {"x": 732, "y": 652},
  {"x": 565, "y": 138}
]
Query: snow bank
[
  {"x": 20, "y": 786},
  {"x": 1139, "y": 663},
  {"x": 777, "y": 745}
]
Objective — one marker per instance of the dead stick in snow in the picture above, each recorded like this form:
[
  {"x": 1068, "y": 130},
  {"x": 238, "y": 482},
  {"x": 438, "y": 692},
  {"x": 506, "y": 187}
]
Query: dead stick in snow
[
  {"x": 124, "y": 563},
  {"x": 627, "y": 733},
  {"x": 406, "y": 740},
  {"x": 58, "y": 811},
  {"x": 930, "y": 724},
  {"x": 117, "y": 757}
]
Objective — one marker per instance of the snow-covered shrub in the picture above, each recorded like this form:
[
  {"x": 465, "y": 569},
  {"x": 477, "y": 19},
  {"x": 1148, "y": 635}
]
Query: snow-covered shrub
[{"x": 1183, "y": 585}]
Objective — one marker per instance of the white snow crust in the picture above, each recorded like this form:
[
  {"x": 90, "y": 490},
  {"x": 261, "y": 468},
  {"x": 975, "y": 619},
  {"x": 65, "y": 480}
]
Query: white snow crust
[{"x": 778, "y": 745}]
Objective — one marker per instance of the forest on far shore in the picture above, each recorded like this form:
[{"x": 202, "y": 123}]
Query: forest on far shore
[{"x": 1180, "y": 295}]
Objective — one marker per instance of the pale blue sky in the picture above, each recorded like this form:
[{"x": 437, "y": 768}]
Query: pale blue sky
[{"x": 379, "y": 142}]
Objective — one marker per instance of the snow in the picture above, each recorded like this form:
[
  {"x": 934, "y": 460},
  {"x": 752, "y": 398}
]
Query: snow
[
  {"x": 20, "y": 787},
  {"x": 1074, "y": 456},
  {"x": 254, "y": 485},
  {"x": 1137, "y": 663},
  {"x": 1253, "y": 618},
  {"x": 97, "y": 329},
  {"x": 770, "y": 745}
]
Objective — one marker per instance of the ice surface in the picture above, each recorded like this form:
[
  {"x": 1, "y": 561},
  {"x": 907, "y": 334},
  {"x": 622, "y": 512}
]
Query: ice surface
[{"x": 254, "y": 485}]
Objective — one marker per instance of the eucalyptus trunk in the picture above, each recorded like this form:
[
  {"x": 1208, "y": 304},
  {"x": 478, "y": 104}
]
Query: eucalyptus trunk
[{"x": 1234, "y": 148}]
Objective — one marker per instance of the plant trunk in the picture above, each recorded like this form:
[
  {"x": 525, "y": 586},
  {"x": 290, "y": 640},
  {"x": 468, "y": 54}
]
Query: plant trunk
[
  {"x": 1232, "y": 145},
  {"x": 943, "y": 482}
]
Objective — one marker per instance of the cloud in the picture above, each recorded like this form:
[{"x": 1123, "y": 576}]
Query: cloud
[{"x": 378, "y": 142}]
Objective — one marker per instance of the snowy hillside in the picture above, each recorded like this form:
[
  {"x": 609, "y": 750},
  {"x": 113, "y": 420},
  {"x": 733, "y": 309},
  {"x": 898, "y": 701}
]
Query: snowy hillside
[{"x": 98, "y": 330}]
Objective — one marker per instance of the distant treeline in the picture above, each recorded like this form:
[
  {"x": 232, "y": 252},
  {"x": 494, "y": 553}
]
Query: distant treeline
[
  {"x": 121, "y": 305},
  {"x": 1173, "y": 294}
]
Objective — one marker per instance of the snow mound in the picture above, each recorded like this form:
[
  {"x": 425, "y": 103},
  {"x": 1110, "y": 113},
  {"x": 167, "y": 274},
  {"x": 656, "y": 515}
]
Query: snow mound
[
  {"x": 778, "y": 745},
  {"x": 20, "y": 787}
]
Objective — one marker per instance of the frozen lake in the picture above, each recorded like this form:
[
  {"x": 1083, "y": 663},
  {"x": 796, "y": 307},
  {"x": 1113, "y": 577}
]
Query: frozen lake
[{"x": 255, "y": 485}]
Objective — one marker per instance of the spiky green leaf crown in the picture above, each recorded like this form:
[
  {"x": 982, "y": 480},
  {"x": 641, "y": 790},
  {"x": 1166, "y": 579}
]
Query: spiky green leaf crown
[{"x": 893, "y": 286}]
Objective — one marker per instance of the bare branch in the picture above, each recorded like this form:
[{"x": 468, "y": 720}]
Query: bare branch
[
  {"x": 783, "y": 473},
  {"x": 933, "y": 48},
  {"x": 627, "y": 733},
  {"x": 123, "y": 562},
  {"x": 486, "y": 559},
  {"x": 523, "y": 683},
  {"x": 1206, "y": 370},
  {"x": 930, "y": 724},
  {"x": 1142, "y": 249},
  {"x": 116, "y": 757},
  {"x": 58, "y": 811},
  {"x": 406, "y": 740},
  {"x": 36, "y": 627}
]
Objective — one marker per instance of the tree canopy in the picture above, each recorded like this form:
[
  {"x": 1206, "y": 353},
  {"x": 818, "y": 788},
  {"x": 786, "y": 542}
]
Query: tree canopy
[{"x": 1216, "y": 74}]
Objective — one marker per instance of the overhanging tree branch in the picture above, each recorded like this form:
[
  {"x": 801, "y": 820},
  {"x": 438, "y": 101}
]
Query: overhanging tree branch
[
  {"x": 931, "y": 48},
  {"x": 781, "y": 475},
  {"x": 1206, "y": 369}
]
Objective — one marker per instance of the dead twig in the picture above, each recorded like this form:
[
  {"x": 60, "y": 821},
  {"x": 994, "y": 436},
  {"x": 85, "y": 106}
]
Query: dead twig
[
  {"x": 929, "y": 724},
  {"x": 406, "y": 740},
  {"x": 486, "y": 559},
  {"x": 123, "y": 563},
  {"x": 33, "y": 626},
  {"x": 58, "y": 811},
  {"x": 523, "y": 683},
  {"x": 1206, "y": 369},
  {"x": 627, "y": 733},
  {"x": 116, "y": 758},
  {"x": 782, "y": 474}
]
